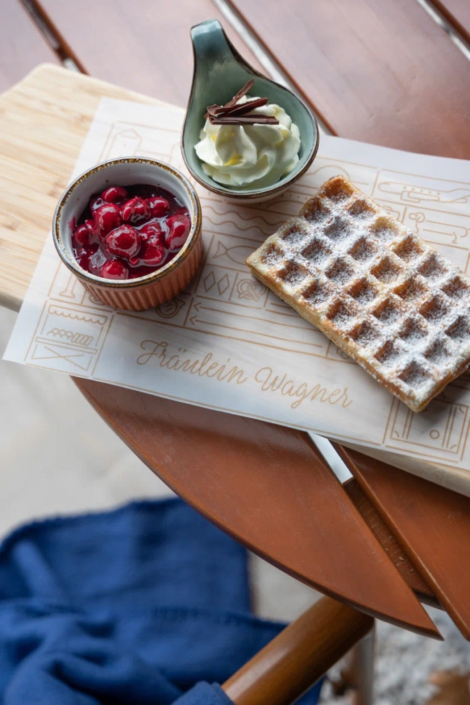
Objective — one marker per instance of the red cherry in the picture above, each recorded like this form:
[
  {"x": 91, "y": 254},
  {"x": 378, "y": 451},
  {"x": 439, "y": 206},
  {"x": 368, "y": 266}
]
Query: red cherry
[
  {"x": 114, "y": 269},
  {"x": 135, "y": 211},
  {"x": 158, "y": 206},
  {"x": 134, "y": 261},
  {"x": 178, "y": 231},
  {"x": 83, "y": 234},
  {"x": 113, "y": 194},
  {"x": 152, "y": 254},
  {"x": 123, "y": 241},
  {"x": 97, "y": 260},
  {"x": 83, "y": 255},
  {"x": 107, "y": 218},
  {"x": 152, "y": 232},
  {"x": 95, "y": 203}
]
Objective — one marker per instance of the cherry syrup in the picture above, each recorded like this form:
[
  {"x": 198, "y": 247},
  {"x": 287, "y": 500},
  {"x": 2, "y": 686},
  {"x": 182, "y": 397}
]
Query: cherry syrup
[{"x": 128, "y": 232}]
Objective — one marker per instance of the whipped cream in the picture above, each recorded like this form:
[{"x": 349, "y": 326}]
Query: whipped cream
[{"x": 251, "y": 156}]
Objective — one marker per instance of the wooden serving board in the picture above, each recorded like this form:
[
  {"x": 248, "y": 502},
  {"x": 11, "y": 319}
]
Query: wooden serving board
[{"x": 43, "y": 123}]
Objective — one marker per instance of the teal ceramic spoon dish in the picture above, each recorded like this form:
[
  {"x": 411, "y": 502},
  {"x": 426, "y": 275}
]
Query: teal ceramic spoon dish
[{"x": 219, "y": 73}]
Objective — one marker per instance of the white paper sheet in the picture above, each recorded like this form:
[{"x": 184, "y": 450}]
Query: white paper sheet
[{"x": 229, "y": 344}]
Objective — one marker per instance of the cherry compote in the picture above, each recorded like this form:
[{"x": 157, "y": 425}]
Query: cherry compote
[{"x": 129, "y": 232}]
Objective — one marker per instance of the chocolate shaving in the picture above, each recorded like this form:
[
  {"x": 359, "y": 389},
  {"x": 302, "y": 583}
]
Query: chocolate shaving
[
  {"x": 243, "y": 91},
  {"x": 233, "y": 114},
  {"x": 245, "y": 120},
  {"x": 212, "y": 110},
  {"x": 243, "y": 108}
]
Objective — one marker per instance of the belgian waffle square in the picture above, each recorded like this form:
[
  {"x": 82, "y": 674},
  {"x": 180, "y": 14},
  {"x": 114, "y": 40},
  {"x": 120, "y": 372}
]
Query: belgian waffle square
[{"x": 378, "y": 291}]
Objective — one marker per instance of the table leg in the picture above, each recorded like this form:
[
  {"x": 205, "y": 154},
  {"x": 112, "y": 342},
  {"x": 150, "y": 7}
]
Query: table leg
[
  {"x": 363, "y": 670},
  {"x": 292, "y": 662}
]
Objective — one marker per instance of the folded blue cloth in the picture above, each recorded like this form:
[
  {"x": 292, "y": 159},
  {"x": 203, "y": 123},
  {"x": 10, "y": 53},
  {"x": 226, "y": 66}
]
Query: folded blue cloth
[{"x": 148, "y": 605}]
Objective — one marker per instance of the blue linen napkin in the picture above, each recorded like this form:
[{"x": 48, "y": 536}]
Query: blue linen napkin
[{"x": 148, "y": 604}]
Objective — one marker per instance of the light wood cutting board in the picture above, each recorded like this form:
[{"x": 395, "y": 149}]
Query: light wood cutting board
[{"x": 43, "y": 123}]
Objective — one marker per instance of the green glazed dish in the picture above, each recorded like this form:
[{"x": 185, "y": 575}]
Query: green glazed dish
[{"x": 219, "y": 72}]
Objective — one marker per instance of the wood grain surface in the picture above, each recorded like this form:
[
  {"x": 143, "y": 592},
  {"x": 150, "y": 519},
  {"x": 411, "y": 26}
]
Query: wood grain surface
[
  {"x": 432, "y": 523},
  {"x": 22, "y": 46},
  {"x": 381, "y": 72},
  {"x": 389, "y": 543},
  {"x": 269, "y": 488},
  {"x": 292, "y": 662},
  {"x": 457, "y": 14},
  {"x": 141, "y": 45}
]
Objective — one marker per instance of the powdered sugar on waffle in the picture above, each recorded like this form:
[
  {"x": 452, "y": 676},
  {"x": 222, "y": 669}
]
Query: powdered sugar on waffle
[{"x": 382, "y": 294}]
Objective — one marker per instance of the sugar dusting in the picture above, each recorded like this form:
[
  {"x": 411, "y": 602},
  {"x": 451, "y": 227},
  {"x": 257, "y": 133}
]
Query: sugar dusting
[
  {"x": 317, "y": 293},
  {"x": 363, "y": 292},
  {"x": 340, "y": 272},
  {"x": 342, "y": 315},
  {"x": 386, "y": 270},
  {"x": 408, "y": 249},
  {"x": 366, "y": 334},
  {"x": 363, "y": 250}
]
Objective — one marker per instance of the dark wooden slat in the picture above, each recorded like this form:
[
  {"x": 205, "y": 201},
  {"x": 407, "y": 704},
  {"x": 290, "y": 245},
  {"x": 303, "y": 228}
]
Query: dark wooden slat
[
  {"x": 457, "y": 14},
  {"x": 142, "y": 45},
  {"x": 269, "y": 488},
  {"x": 387, "y": 540},
  {"x": 433, "y": 524},
  {"x": 381, "y": 72},
  {"x": 22, "y": 46}
]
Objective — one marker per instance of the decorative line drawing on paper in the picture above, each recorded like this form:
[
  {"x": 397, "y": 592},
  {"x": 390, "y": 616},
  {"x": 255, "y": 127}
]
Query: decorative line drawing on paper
[
  {"x": 238, "y": 323},
  {"x": 209, "y": 281},
  {"x": 70, "y": 290},
  {"x": 223, "y": 284},
  {"x": 78, "y": 338},
  {"x": 416, "y": 194},
  {"x": 69, "y": 355},
  {"x": 254, "y": 220},
  {"x": 218, "y": 224},
  {"x": 124, "y": 144},
  {"x": 78, "y": 316},
  {"x": 327, "y": 171},
  {"x": 362, "y": 175},
  {"x": 393, "y": 212},
  {"x": 127, "y": 139},
  {"x": 422, "y": 223},
  {"x": 280, "y": 309},
  {"x": 70, "y": 336},
  {"x": 237, "y": 253},
  {"x": 446, "y": 434},
  {"x": 250, "y": 289},
  {"x": 170, "y": 308},
  {"x": 336, "y": 354}
]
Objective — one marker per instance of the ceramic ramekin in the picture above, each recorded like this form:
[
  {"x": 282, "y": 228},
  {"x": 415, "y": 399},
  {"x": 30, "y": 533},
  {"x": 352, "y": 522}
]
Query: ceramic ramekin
[{"x": 153, "y": 289}]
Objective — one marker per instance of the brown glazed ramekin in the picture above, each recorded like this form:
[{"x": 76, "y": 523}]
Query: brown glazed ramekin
[{"x": 164, "y": 283}]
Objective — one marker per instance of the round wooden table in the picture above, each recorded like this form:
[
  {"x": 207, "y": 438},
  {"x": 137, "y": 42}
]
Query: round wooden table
[{"x": 380, "y": 72}]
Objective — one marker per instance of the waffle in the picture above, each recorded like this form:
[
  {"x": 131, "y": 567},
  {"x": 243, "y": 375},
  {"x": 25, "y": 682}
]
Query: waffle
[{"x": 377, "y": 290}]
